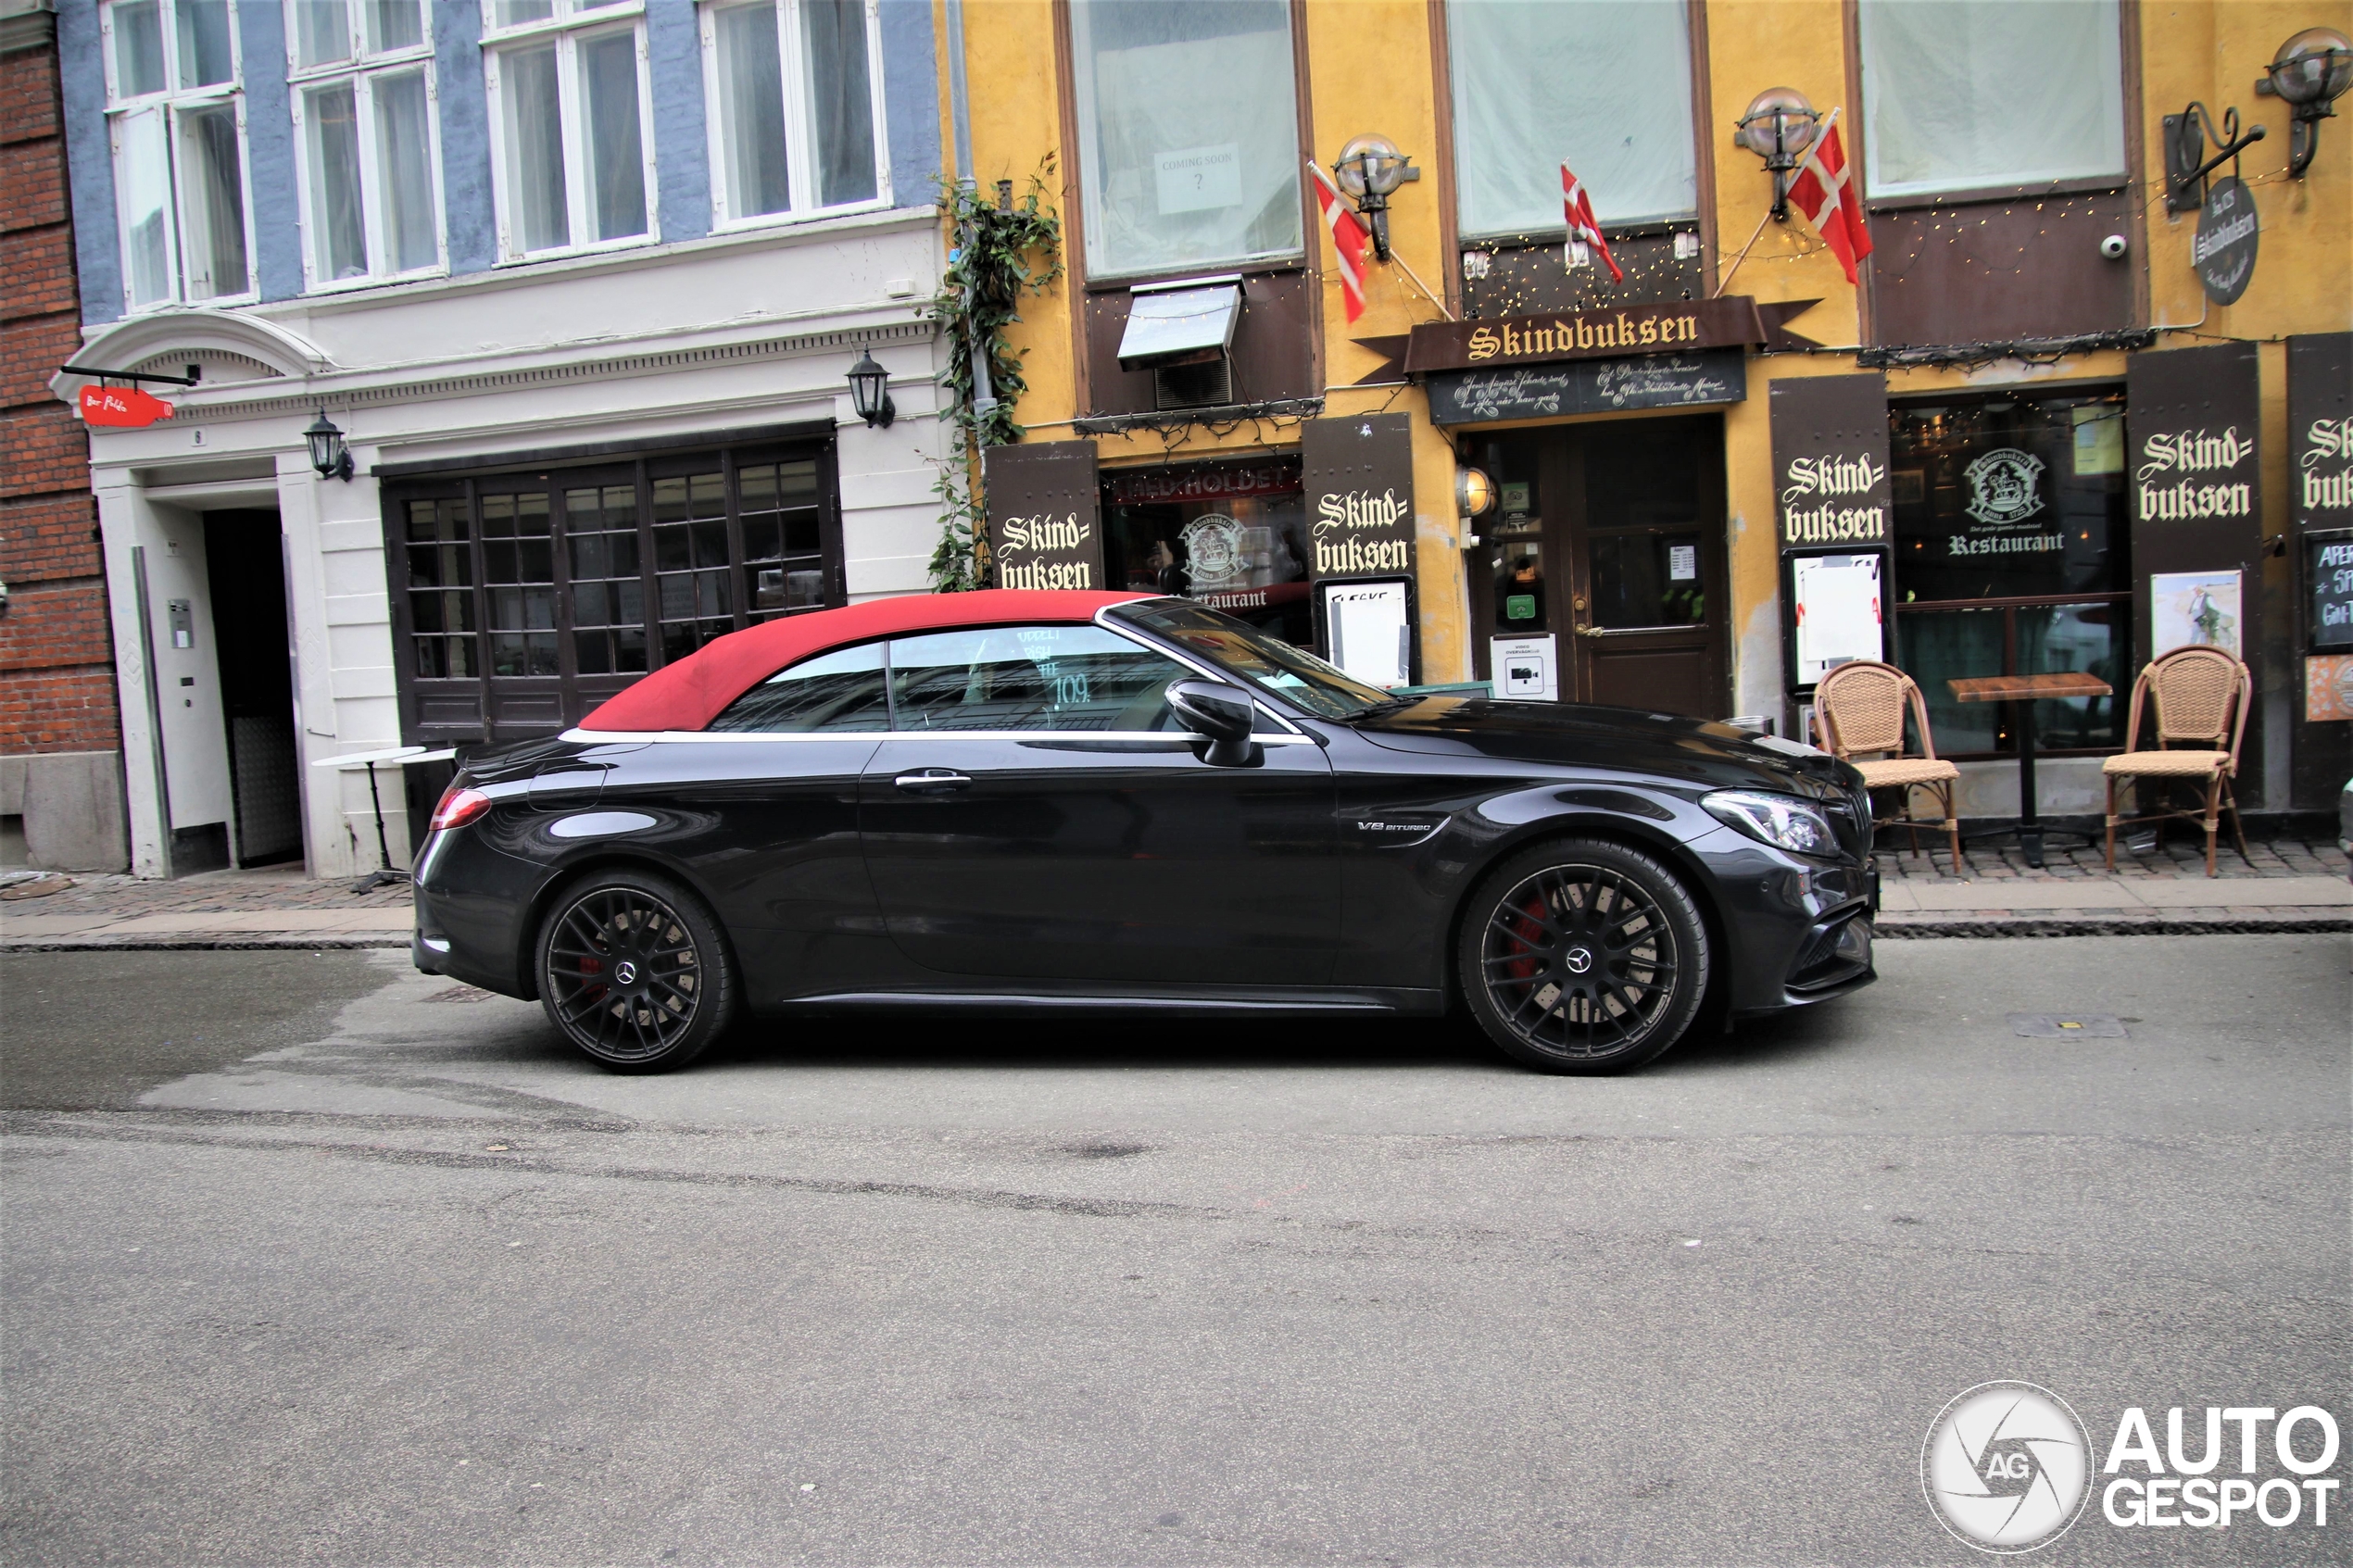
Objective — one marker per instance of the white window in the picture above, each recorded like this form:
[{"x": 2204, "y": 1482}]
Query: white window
[
  {"x": 361, "y": 76},
  {"x": 793, "y": 90},
  {"x": 176, "y": 120},
  {"x": 571, "y": 124},
  {"x": 1978, "y": 94},
  {"x": 1603, "y": 87},
  {"x": 1188, "y": 135}
]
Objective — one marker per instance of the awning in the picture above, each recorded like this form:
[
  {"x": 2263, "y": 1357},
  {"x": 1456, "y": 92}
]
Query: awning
[{"x": 1180, "y": 326}]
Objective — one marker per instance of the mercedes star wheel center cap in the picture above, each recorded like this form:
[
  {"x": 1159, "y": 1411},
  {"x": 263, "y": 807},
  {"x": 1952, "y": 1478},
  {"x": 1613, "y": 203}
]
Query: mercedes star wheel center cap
[
  {"x": 627, "y": 972},
  {"x": 1579, "y": 960}
]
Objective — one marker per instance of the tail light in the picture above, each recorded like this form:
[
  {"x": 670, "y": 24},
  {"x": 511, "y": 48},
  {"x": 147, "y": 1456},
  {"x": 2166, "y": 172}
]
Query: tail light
[{"x": 458, "y": 807}]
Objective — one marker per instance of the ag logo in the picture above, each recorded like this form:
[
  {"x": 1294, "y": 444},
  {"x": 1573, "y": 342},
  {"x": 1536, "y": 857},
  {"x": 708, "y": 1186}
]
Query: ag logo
[
  {"x": 2006, "y": 1467},
  {"x": 2002, "y": 486}
]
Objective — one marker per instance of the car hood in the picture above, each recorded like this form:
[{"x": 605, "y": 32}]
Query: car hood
[{"x": 1709, "y": 755}]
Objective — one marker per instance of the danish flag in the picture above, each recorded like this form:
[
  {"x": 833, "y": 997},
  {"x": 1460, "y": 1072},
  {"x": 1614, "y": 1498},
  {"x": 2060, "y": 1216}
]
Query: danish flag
[
  {"x": 1825, "y": 194},
  {"x": 1582, "y": 230},
  {"x": 1348, "y": 240}
]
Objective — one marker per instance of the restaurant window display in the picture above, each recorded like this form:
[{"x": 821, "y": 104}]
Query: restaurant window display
[
  {"x": 1231, "y": 536},
  {"x": 2013, "y": 557}
]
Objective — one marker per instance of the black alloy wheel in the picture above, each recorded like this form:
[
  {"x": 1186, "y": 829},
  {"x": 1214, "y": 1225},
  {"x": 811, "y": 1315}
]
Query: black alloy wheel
[
  {"x": 1583, "y": 956},
  {"x": 633, "y": 971}
]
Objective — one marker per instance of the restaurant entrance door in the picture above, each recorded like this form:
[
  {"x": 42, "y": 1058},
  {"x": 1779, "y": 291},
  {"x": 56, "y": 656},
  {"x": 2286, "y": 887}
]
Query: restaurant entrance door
[{"x": 1610, "y": 537}]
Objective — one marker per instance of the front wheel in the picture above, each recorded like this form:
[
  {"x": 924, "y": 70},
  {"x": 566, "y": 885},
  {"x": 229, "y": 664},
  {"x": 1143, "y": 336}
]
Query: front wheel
[
  {"x": 1583, "y": 956},
  {"x": 632, "y": 970}
]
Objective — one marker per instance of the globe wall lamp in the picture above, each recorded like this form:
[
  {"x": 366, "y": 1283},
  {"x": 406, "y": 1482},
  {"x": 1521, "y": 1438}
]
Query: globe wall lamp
[
  {"x": 1777, "y": 126},
  {"x": 329, "y": 456},
  {"x": 2311, "y": 72},
  {"x": 1474, "y": 497},
  {"x": 870, "y": 392},
  {"x": 1368, "y": 169}
]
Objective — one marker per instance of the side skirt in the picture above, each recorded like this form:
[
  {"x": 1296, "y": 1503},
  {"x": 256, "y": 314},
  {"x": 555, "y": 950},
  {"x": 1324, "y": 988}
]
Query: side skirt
[{"x": 1228, "y": 1003}]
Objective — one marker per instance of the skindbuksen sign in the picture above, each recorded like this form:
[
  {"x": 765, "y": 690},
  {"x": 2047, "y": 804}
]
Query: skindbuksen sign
[
  {"x": 1359, "y": 478},
  {"x": 1675, "y": 327}
]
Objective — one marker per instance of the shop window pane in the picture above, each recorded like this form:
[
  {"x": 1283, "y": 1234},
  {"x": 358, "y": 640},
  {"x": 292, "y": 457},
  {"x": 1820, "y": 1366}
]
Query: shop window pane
[
  {"x": 670, "y": 499},
  {"x": 763, "y": 538},
  {"x": 338, "y": 228},
  {"x": 1646, "y": 580},
  {"x": 1936, "y": 647},
  {"x": 1233, "y": 536},
  {"x": 751, "y": 109},
  {"x": 1030, "y": 678},
  {"x": 1189, "y": 133},
  {"x": 2009, "y": 496},
  {"x": 711, "y": 543},
  {"x": 673, "y": 550},
  {"x": 616, "y": 163},
  {"x": 2095, "y": 639},
  {"x": 797, "y": 483},
  {"x": 1605, "y": 85},
  {"x": 535, "y": 148},
  {"x": 206, "y": 58},
  {"x": 394, "y": 24},
  {"x": 1967, "y": 93},
  {"x": 707, "y": 495},
  {"x": 146, "y": 192},
  {"x": 138, "y": 47},
  {"x": 212, "y": 203},
  {"x": 841, "y": 691},
  {"x": 403, "y": 142},
  {"x": 322, "y": 31},
  {"x": 841, "y": 104}
]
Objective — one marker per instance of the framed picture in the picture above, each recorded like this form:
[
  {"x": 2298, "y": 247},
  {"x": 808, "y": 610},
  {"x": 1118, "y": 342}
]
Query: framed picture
[{"x": 2195, "y": 609}]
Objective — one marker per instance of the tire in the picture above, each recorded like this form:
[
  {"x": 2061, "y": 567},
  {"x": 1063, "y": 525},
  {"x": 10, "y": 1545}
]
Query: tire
[
  {"x": 1630, "y": 920},
  {"x": 680, "y": 990}
]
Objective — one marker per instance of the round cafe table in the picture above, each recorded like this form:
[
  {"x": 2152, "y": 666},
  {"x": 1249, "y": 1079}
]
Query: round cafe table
[{"x": 2026, "y": 691}]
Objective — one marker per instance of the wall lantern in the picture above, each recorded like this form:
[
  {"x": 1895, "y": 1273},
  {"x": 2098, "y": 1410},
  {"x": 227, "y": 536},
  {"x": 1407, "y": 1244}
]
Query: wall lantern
[
  {"x": 328, "y": 454},
  {"x": 2311, "y": 72},
  {"x": 1368, "y": 169},
  {"x": 1778, "y": 126},
  {"x": 870, "y": 392},
  {"x": 1474, "y": 492}
]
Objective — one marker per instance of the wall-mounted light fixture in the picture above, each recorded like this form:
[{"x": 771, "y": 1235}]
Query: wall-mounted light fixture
[
  {"x": 328, "y": 454},
  {"x": 870, "y": 392},
  {"x": 2311, "y": 72},
  {"x": 1368, "y": 169},
  {"x": 1474, "y": 497},
  {"x": 1777, "y": 126}
]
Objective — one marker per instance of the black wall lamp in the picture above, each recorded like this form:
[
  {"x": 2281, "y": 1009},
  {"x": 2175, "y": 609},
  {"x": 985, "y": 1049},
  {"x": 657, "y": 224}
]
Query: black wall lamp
[
  {"x": 1777, "y": 126},
  {"x": 2186, "y": 164},
  {"x": 870, "y": 392},
  {"x": 329, "y": 456},
  {"x": 2311, "y": 72},
  {"x": 1368, "y": 169}
]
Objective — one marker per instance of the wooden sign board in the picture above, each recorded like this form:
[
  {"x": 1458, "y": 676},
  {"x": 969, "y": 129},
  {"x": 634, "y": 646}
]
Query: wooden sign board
[
  {"x": 1359, "y": 478},
  {"x": 1677, "y": 327},
  {"x": 1829, "y": 461},
  {"x": 1044, "y": 515},
  {"x": 1591, "y": 386}
]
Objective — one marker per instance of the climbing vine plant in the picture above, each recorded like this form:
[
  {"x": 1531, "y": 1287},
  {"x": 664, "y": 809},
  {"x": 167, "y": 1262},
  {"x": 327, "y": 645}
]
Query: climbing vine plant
[{"x": 999, "y": 251}]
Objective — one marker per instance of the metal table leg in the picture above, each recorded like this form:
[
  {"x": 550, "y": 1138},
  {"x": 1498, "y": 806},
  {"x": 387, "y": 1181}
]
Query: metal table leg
[{"x": 2030, "y": 821}]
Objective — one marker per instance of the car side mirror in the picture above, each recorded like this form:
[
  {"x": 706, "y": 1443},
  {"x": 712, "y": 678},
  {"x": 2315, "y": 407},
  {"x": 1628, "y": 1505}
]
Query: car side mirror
[{"x": 1223, "y": 713}]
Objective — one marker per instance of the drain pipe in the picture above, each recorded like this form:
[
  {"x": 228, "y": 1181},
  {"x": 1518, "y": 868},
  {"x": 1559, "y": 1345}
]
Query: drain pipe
[{"x": 968, "y": 182}]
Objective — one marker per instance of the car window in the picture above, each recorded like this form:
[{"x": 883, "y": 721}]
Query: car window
[
  {"x": 1030, "y": 678},
  {"x": 1265, "y": 661},
  {"x": 841, "y": 691}
]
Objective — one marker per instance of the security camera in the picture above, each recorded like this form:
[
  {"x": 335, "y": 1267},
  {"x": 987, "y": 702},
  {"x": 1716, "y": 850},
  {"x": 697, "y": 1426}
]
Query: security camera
[{"x": 2113, "y": 247}]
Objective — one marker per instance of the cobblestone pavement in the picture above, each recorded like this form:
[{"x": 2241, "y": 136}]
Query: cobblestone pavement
[{"x": 2284, "y": 885}]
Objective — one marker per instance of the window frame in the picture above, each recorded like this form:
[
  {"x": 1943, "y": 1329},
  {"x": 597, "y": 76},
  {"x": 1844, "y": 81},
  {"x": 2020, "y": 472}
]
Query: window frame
[
  {"x": 799, "y": 139},
  {"x": 171, "y": 102},
  {"x": 574, "y": 23},
  {"x": 361, "y": 68}
]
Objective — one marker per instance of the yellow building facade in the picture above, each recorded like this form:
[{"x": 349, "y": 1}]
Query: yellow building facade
[{"x": 2026, "y": 349}]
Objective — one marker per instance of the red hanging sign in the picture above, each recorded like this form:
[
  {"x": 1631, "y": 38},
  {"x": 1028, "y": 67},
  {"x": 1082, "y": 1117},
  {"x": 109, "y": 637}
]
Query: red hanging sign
[{"x": 123, "y": 406}]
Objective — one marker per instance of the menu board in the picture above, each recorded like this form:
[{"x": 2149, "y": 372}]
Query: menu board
[
  {"x": 1837, "y": 612},
  {"x": 2328, "y": 572}
]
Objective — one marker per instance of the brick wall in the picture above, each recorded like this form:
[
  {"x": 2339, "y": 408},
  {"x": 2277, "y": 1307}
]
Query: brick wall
[{"x": 57, "y": 654}]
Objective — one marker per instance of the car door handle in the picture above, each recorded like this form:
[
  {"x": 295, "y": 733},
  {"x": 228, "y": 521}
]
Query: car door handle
[{"x": 931, "y": 780}]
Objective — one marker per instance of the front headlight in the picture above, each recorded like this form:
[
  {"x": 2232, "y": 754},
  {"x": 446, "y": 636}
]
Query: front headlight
[{"x": 1783, "y": 821}]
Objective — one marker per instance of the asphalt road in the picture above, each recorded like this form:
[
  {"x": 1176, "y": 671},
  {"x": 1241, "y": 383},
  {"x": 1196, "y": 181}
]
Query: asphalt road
[{"x": 304, "y": 1264}]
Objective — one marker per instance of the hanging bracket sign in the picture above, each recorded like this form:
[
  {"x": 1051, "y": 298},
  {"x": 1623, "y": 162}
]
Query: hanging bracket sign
[
  {"x": 125, "y": 407},
  {"x": 2224, "y": 249}
]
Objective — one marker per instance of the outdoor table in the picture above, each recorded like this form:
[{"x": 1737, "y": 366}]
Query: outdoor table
[
  {"x": 2026, "y": 691},
  {"x": 383, "y": 875}
]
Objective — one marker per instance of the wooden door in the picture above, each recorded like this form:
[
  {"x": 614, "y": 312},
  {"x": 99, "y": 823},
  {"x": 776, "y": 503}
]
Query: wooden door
[{"x": 1649, "y": 609}]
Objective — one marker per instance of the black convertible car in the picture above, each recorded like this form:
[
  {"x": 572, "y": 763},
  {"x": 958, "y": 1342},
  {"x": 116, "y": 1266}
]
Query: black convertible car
[{"x": 1009, "y": 800}]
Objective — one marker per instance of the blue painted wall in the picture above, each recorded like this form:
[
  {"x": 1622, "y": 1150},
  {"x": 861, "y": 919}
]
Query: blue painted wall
[
  {"x": 270, "y": 150},
  {"x": 682, "y": 149},
  {"x": 911, "y": 102},
  {"x": 468, "y": 208},
  {"x": 97, "y": 247}
]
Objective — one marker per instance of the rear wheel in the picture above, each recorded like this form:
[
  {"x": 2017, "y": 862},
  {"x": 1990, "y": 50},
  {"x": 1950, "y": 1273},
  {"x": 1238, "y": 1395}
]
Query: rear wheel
[
  {"x": 1583, "y": 956},
  {"x": 633, "y": 971}
]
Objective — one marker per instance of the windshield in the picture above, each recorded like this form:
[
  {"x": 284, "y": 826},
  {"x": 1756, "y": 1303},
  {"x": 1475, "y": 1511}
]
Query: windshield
[{"x": 1267, "y": 662}]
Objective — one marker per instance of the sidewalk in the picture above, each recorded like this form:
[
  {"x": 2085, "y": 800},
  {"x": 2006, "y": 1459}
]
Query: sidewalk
[{"x": 2294, "y": 884}]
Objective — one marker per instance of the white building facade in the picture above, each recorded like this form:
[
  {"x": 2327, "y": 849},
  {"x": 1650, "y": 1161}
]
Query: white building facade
[{"x": 579, "y": 283}]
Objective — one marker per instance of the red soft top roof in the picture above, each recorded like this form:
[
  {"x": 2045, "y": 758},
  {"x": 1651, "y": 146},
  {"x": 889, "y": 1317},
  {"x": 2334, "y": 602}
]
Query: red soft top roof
[{"x": 691, "y": 693}]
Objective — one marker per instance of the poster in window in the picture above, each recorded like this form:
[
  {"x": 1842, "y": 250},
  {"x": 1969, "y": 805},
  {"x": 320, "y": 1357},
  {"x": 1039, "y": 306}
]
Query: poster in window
[
  {"x": 2195, "y": 610},
  {"x": 2328, "y": 688}
]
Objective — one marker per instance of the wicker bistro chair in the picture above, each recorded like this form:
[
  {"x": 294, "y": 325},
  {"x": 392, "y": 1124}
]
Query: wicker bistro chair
[
  {"x": 1859, "y": 707},
  {"x": 2200, "y": 696}
]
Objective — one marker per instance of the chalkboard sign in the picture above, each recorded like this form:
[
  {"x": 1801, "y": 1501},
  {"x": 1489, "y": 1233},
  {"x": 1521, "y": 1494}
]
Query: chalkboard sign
[
  {"x": 2329, "y": 569},
  {"x": 1588, "y": 386}
]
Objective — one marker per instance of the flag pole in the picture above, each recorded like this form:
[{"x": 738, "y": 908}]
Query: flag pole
[{"x": 1424, "y": 287}]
